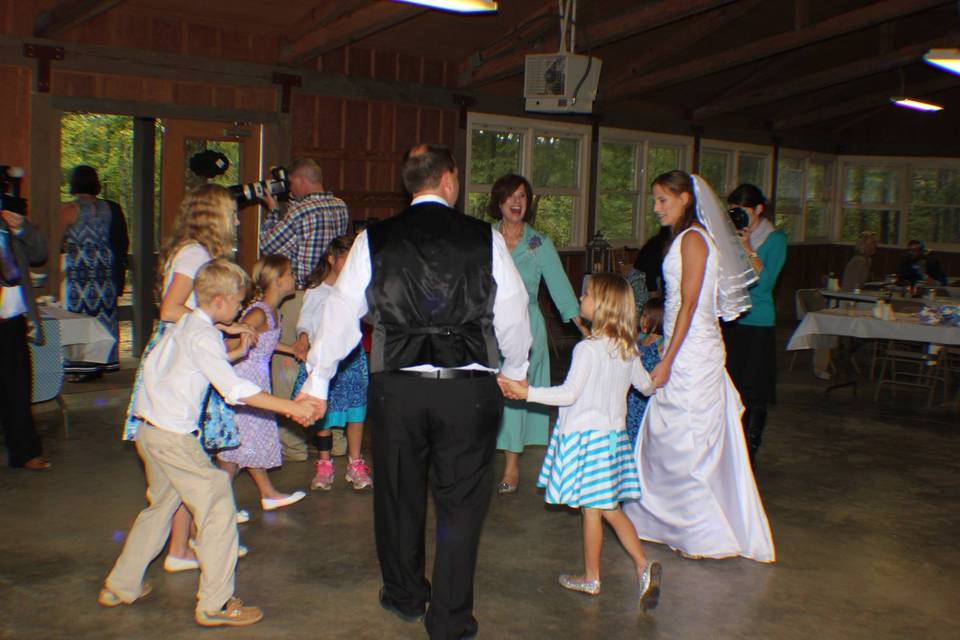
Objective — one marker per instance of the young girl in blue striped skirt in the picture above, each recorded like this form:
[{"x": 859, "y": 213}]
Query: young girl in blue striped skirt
[{"x": 589, "y": 463}]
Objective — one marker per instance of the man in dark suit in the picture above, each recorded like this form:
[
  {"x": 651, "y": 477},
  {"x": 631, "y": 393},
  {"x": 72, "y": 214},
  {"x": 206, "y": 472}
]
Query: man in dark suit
[
  {"x": 21, "y": 246},
  {"x": 445, "y": 302}
]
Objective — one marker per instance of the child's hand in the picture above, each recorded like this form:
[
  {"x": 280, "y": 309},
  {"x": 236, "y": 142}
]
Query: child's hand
[
  {"x": 513, "y": 389},
  {"x": 247, "y": 340},
  {"x": 301, "y": 347},
  {"x": 237, "y": 329},
  {"x": 316, "y": 406}
]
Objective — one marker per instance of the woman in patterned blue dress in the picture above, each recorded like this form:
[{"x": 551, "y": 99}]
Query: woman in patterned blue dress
[
  {"x": 91, "y": 242},
  {"x": 648, "y": 345}
]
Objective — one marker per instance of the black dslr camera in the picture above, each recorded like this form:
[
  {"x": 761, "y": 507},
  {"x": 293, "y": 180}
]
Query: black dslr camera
[
  {"x": 739, "y": 217},
  {"x": 10, "y": 200},
  {"x": 277, "y": 185}
]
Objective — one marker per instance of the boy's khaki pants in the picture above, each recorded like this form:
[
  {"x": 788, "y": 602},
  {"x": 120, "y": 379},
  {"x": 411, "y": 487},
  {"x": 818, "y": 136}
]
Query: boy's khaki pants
[{"x": 178, "y": 471}]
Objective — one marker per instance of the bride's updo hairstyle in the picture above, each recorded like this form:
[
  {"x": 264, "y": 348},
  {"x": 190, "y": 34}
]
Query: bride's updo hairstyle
[{"x": 678, "y": 182}]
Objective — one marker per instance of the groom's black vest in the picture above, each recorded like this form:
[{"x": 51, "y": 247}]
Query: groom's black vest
[{"x": 431, "y": 290}]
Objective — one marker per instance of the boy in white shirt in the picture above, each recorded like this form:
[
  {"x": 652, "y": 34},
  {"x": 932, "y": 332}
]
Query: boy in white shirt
[{"x": 190, "y": 357}]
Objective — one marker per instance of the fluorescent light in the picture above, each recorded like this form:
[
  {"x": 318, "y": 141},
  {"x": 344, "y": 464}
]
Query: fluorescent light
[
  {"x": 918, "y": 105},
  {"x": 948, "y": 59},
  {"x": 459, "y": 6}
]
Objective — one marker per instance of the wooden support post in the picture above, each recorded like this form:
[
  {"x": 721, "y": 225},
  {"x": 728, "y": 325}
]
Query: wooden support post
[
  {"x": 697, "y": 139},
  {"x": 594, "y": 175},
  {"x": 286, "y": 81},
  {"x": 44, "y": 193},
  {"x": 774, "y": 177},
  {"x": 44, "y": 55},
  {"x": 144, "y": 267}
]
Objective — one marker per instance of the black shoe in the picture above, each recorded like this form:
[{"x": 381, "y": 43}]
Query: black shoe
[{"x": 392, "y": 608}]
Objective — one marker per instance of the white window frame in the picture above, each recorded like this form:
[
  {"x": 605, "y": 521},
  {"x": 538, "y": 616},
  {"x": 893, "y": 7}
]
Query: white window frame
[
  {"x": 832, "y": 201},
  {"x": 733, "y": 169},
  {"x": 530, "y": 128},
  {"x": 642, "y": 141}
]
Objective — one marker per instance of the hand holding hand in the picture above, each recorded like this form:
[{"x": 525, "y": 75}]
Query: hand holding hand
[
  {"x": 238, "y": 329},
  {"x": 13, "y": 220},
  {"x": 317, "y": 407},
  {"x": 660, "y": 374},
  {"x": 513, "y": 389},
  {"x": 301, "y": 347}
]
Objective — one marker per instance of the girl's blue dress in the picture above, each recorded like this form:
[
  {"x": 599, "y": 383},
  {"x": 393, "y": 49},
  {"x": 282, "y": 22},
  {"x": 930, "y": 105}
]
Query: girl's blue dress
[{"x": 636, "y": 401}]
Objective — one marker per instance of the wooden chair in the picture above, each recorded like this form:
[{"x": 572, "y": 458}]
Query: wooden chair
[{"x": 912, "y": 366}]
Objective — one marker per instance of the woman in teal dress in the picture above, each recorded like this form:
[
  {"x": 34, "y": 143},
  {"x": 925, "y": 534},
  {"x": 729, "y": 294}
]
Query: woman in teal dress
[{"x": 536, "y": 258}]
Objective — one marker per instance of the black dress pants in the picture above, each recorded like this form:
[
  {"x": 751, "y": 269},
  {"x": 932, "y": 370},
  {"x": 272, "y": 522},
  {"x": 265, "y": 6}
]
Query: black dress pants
[
  {"x": 16, "y": 379},
  {"x": 441, "y": 432}
]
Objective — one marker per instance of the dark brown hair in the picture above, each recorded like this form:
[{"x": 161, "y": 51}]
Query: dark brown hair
[
  {"x": 678, "y": 182},
  {"x": 502, "y": 189},
  {"x": 337, "y": 247},
  {"x": 749, "y": 195},
  {"x": 84, "y": 180},
  {"x": 424, "y": 165},
  {"x": 653, "y": 307}
]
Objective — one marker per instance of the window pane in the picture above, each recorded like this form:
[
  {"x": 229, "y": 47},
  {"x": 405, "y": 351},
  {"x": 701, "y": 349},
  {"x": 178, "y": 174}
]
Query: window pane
[
  {"x": 661, "y": 160},
  {"x": 817, "y": 223},
  {"x": 934, "y": 223},
  {"x": 818, "y": 180},
  {"x": 752, "y": 169},
  {"x": 885, "y": 223},
  {"x": 617, "y": 166},
  {"x": 555, "y": 218},
  {"x": 791, "y": 225},
  {"x": 713, "y": 167},
  {"x": 493, "y": 154},
  {"x": 872, "y": 185},
  {"x": 555, "y": 162},
  {"x": 477, "y": 205},
  {"x": 615, "y": 214},
  {"x": 789, "y": 182},
  {"x": 936, "y": 186}
]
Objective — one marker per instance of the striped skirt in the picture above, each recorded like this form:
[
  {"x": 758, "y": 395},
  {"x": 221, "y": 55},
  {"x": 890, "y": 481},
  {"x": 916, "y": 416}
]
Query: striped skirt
[{"x": 592, "y": 469}]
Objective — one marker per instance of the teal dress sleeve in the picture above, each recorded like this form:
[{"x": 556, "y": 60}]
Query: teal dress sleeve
[
  {"x": 556, "y": 278},
  {"x": 773, "y": 253}
]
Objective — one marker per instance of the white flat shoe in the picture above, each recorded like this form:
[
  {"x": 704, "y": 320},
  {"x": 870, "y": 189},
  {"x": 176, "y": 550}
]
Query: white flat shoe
[
  {"x": 243, "y": 516},
  {"x": 269, "y": 504},
  {"x": 176, "y": 565}
]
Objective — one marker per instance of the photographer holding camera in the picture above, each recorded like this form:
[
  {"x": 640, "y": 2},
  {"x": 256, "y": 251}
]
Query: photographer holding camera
[
  {"x": 21, "y": 246},
  {"x": 312, "y": 219},
  {"x": 750, "y": 340}
]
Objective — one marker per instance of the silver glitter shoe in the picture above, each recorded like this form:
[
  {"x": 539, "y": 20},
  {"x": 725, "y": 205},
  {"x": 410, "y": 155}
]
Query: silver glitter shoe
[
  {"x": 650, "y": 579},
  {"x": 580, "y": 583}
]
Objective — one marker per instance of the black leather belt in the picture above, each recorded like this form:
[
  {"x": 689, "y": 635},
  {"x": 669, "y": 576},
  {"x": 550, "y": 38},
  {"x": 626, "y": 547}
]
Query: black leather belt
[{"x": 448, "y": 374}]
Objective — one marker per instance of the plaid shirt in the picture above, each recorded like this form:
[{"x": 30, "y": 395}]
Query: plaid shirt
[{"x": 304, "y": 234}]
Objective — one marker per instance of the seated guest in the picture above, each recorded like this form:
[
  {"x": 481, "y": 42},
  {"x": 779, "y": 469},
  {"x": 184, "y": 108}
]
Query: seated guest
[
  {"x": 858, "y": 269},
  {"x": 919, "y": 267}
]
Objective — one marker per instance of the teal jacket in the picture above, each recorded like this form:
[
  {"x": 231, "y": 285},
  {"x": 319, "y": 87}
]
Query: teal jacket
[{"x": 773, "y": 253}]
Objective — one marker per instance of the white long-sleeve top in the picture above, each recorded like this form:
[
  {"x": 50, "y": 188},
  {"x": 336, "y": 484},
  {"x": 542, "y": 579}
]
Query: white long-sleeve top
[
  {"x": 189, "y": 357},
  {"x": 594, "y": 395},
  {"x": 311, "y": 312},
  {"x": 339, "y": 329}
]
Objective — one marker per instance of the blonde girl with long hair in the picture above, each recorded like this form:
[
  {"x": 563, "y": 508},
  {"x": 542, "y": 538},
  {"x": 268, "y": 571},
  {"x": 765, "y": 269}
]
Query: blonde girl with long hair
[
  {"x": 204, "y": 230},
  {"x": 259, "y": 448},
  {"x": 589, "y": 463}
]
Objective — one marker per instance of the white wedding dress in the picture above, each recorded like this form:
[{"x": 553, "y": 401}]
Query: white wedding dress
[{"x": 698, "y": 491}]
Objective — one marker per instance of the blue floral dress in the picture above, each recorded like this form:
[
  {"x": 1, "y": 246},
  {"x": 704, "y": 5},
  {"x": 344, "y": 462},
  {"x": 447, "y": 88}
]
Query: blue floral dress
[
  {"x": 347, "y": 396},
  {"x": 636, "y": 401}
]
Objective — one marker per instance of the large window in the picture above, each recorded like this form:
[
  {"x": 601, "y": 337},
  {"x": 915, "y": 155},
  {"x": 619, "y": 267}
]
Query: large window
[
  {"x": 804, "y": 193},
  {"x": 725, "y": 165},
  {"x": 871, "y": 201},
  {"x": 552, "y": 156},
  {"x": 934, "y": 205},
  {"x": 629, "y": 161}
]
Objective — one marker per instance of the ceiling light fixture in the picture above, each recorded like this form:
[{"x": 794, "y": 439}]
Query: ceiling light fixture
[
  {"x": 457, "y": 6},
  {"x": 948, "y": 59},
  {"x": 917, "y": 105}
]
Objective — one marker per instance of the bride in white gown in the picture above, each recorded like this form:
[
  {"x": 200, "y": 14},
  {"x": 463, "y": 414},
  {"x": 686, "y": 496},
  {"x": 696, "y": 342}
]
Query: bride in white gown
[{"x": 699, "y": 494}]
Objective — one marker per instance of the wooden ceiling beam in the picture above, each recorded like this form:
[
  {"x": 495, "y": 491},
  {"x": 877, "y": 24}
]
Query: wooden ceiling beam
[
  {"x": 827, "y": 78},
  {"x": 862, "y": 103},
  {"x": 318, "y": 17},
  {"x": 365, "y": 20},
  {"x": 868, "y": 16},
  {"x": 68, "y": 14},
  {"x": 697, "y": 29},
  {"x": 527, "y": 35},
  {"x": 591, "y": 36}
]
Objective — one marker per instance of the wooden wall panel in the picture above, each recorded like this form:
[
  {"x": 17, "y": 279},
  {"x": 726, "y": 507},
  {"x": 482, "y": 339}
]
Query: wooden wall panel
[{"x": 15, "y": 123}]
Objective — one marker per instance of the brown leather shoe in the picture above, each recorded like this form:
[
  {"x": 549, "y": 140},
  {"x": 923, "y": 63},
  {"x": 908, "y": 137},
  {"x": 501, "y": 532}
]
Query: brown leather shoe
[{"x": 37, "y": 464}]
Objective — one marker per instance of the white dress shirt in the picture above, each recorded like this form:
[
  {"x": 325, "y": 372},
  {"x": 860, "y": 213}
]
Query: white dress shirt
[
  {"x": 594, "y": 395},
  {"x": 11, "y": 302},
  {"x": 311, "y": 312},
  {"x": 189, "y": 357},
  {"x": 339, "y": 330}
]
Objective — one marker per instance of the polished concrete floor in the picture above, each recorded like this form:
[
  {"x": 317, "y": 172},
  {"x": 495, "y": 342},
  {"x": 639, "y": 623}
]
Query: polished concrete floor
[{"x": 863, "y": 499}]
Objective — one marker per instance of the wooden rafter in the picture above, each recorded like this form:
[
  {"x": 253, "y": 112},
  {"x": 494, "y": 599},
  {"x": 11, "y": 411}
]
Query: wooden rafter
[
  {"x": 862, "y": 103},
  {"x": 68, "y": 14},
  {"x": 591, "y": 36},
  {"x": 827, "y": 78},
  {"x": 529, "y": 30},
  {"x": 363, "y": 21},
  {"x": 320, "y": 16},
  {"x": 697, "y": 29},
  {"x": 855, "y": 20}
]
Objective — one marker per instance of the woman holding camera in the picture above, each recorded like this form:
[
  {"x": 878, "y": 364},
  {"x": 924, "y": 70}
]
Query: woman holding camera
[{"x": 750, "y": 340}]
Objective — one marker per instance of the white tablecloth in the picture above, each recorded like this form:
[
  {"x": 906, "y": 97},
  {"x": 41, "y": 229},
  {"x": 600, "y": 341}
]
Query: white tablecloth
[
  {"x": 83, "y": 338},
  {"x": 861, "y": 324}
]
